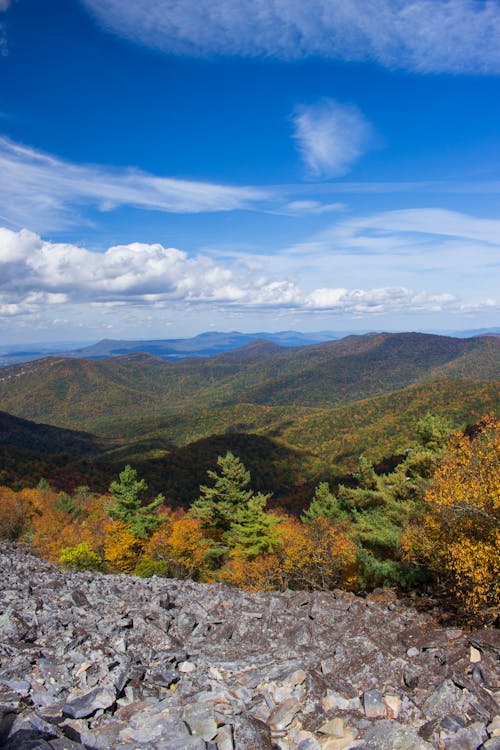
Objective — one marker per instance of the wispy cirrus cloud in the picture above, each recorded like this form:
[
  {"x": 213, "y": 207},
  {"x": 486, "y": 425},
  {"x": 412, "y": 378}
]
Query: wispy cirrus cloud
[
  {"x": 48, "y": 193},
  {"x": 331, "y": 136},
  {"x": 43, "y": 191},
  {"x": 36, "y": 276},
  {"x": 426, "y": 36},
  {"x": 309, "y": 207}
]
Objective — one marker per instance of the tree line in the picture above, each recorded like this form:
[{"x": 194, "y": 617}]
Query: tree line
[{"x": 434, "y": 520}]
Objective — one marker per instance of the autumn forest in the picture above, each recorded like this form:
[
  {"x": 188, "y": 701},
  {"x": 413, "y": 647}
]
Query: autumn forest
[{"x": 366, "y": 462}]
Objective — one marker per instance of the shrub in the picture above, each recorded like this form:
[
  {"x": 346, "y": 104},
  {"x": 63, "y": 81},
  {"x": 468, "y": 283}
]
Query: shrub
[
  {"x": 146, "y": 568},
  {"x": 80, "y": 557}
]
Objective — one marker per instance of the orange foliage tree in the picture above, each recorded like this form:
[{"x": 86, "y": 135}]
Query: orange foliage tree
[
  {"x": 319, "y": 555},
  {"x": 15, "y": 513},
  {"x": 182, "y": 544},
  {"x": 460, "y": 536},
  {"x": 260, "y": 573}
]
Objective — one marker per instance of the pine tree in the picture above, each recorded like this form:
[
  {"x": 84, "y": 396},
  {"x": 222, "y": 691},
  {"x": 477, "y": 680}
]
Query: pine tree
[
  {"x": 253, "y": 531},
  {"x": 127, "y": 506},
  {"x": 323, "y": 505},
  {"x": 217, "y": 506}
]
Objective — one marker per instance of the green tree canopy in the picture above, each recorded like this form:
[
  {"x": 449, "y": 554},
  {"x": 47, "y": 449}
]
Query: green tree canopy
[
  {"x": 127, "y": 505},
  {"x": 254, "y": 531},
  {"x": 323, "y": 505},
  {"x": 233, "y": 513},
  {"x": 217, "y": 506}
]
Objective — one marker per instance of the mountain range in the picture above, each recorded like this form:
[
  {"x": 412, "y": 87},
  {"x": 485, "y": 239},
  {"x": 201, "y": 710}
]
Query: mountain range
[
  {"x": 296, "y": 412},
  {"x": 206, "y": 344}
]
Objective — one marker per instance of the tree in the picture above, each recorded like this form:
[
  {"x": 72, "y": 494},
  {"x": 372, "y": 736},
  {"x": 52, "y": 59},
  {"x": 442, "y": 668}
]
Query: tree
[
  {"x": 181, "y": 545},
  {"x": 127, "y": 506},
  {"x": 459, "y": 537},
  {"x": 80, "y": 557},
  {"x": 318, "y": 555},
  {"x": 254, "y": 531},
  {"x": 15, "y": 514},
  {"x": 323, "y": 505},
  {"x": 433, "y": 432},
  {"x": 217, "y": 506},
  {"x": 122, "y": 548}
]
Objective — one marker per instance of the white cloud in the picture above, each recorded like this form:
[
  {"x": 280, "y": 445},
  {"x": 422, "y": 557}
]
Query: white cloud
[
  {"x": 330, "y": 137},
  {"x": 4, "y": 4},
  {"x": 384, "y": 300},
  {"x": 36, "y": 276},
  {"x": 310, "y": 207},
  {"x": 436, "y": 221},
  {"x": 416, "y": 233},
  {"x": 47, "y": 192},
  {"x": 453, "y": 36},
  {"x": 135, "y": 274}
]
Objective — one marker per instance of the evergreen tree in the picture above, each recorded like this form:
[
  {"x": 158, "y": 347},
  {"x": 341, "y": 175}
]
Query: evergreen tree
[
  {"x": 323, "y": 505},
  {"x": 382, "y": 506},
  {"x": 127, "y": 506},
  {"x": 365, "y": 474},
  {"x": 433, "y": 432},
  {"x": 217, "y": 506},
  {"x": 253, "y": 531}
]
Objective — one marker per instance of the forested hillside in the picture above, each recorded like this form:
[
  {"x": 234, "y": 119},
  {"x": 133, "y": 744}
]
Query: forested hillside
[{"x": 317, "y": 407}]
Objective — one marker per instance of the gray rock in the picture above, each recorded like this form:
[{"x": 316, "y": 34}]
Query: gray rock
[
  {"x": 373, "y": 704},
  {"x": 449, "y": 699},
  {"x": 467, "y": 738},
  {"x": 200, "y": 718},
  {"x": 390, "y": 735},
  {"x": 88, "y": 704},
  {"x": 251, "y": 734},
  {"x": 162, "y": 664},
  {"x": 281, "y": 716}
]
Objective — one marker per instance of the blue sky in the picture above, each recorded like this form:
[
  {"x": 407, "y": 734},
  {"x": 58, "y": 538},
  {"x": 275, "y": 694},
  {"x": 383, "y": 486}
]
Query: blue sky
[{"x": 171, "y": 166}]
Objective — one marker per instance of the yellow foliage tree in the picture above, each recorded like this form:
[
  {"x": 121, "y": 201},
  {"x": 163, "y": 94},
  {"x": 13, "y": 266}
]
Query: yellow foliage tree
[
  {"x": 460, "y": 536},
  {"x": 182, "y": 544},
  {"x": 260, "y": 573},
  {"x": 318, "y": 555},
  {"x": 122, "y": 549}
]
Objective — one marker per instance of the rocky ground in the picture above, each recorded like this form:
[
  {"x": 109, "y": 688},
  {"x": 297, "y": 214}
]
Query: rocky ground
[{"x": 98, "y": 662}]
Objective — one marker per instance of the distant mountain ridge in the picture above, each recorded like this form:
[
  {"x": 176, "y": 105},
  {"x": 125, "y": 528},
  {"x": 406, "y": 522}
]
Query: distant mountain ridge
[
  {"x": 98, "y": 394},
  {"x": 207, "y": 344},
  {"x": 323, "y": 403}
]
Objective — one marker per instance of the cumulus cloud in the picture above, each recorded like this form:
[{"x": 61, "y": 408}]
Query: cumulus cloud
[
  {"x": 36, "y": 275},
  {"x": 133, "y": 274},
  {"x": 383, "y": 300},
  {"x": 453, "y": 36},
  {"x": 47, "y": 192},
  {"x": 331, "y": 136}
]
